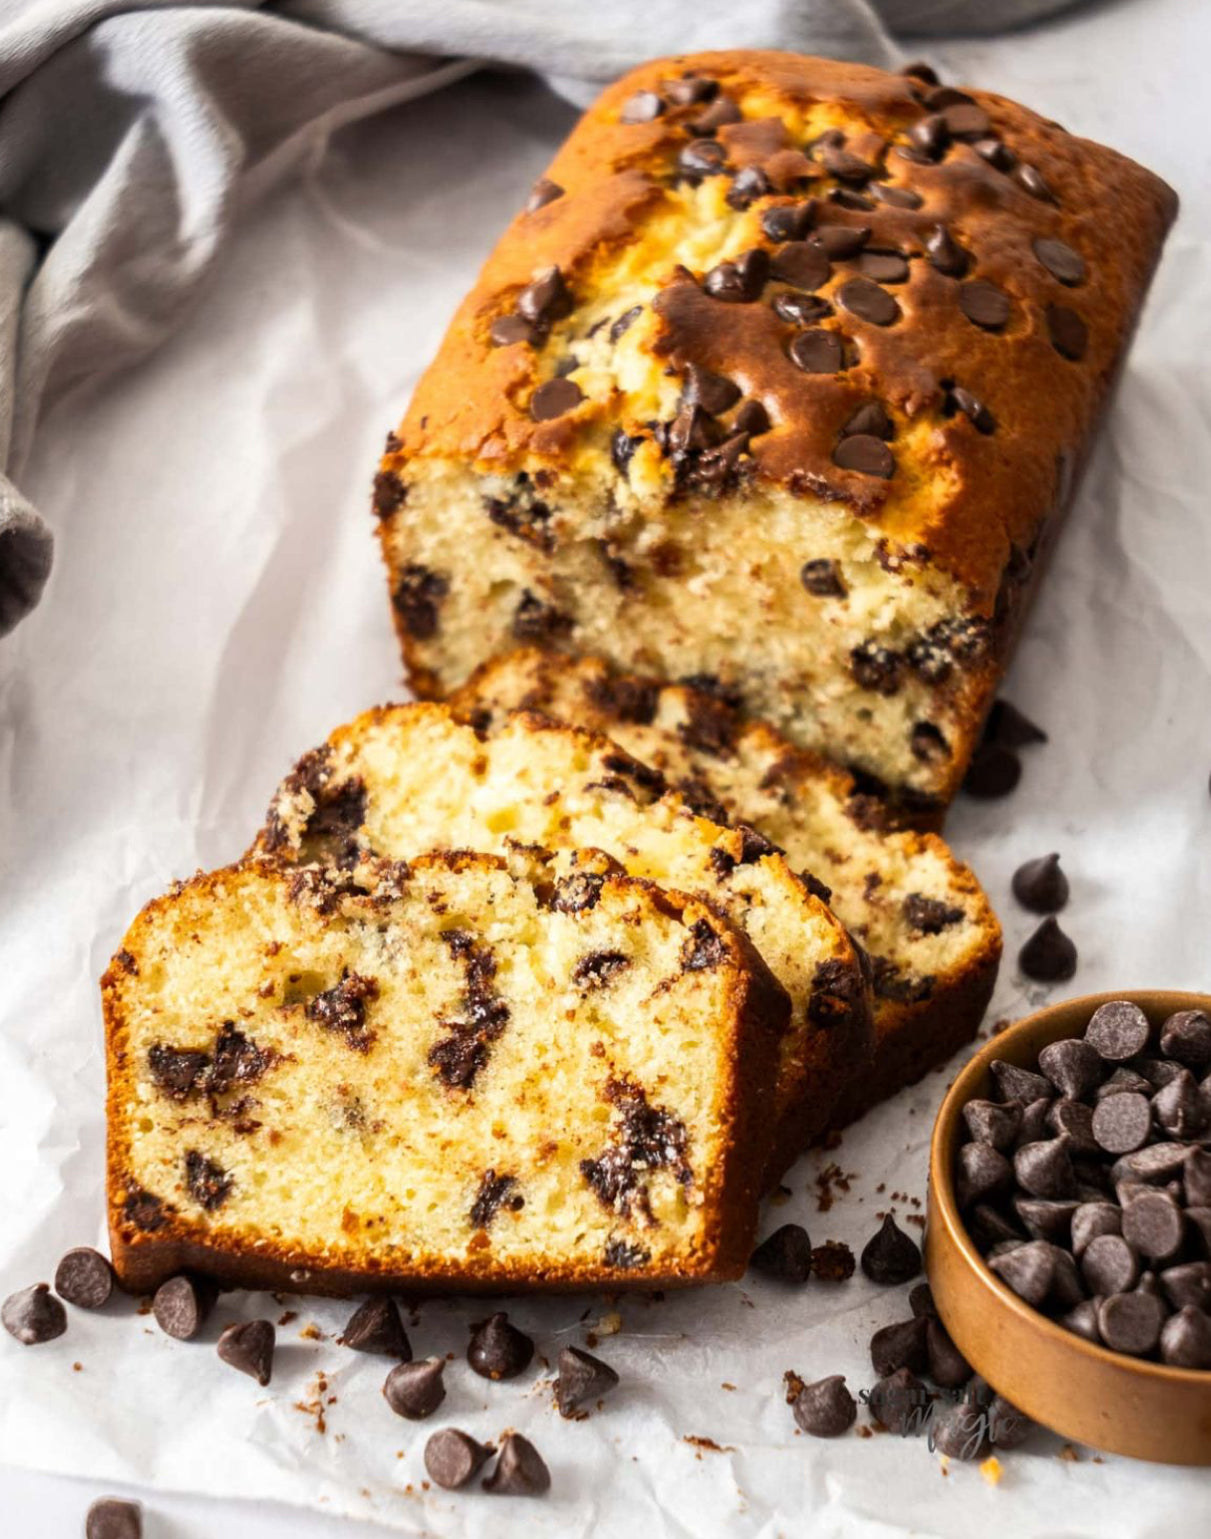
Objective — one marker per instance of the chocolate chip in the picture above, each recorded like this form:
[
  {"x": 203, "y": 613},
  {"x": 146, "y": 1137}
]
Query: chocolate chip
[
  {"x": 996, "y": 153},
  {"x": 182, "y": 1305},
  {"x": 375, "y": 1326},
  {"x": 1157, "y": 1162},
  {"x": 960, "y": 1431},
  {"x": 554, "y": 397},
  {"x": 866, "y": 454},
  {"x": 1010, "y": 728},
  {"x": 1178, "y": 1108},
  {"x": 920, "y": 1301},
  {"x": 787, "y": 221},
  {"x": 544, "y": 191},
  {"x": 33, "y": 1315},
  {"x": 1081, "y": 1320},
  {"x": 111, "y": 1518},
  {"x": 1036, "y": 1122},
  {"x": 84, "y": 1278},
  {"x": 930, "y": 135},
  {"x": 832, "y": 1261},
  {"x": 520, "y": 1470},
  {"x": 414, "y": 1390},
  {"x": 1188, "y": 1285},
  {"x": 176, "y": 1071},
  {"x": 895, "y": 197},
  {"x": 1049, "y": 956},
  {"x": 1092, "y": 1220},
  {"x": 689, "y": 90},
  {"x": 919, "y": 70},
  {"x": 208, "y": 1183},
  {"x": 786, "y": 1255},
  {"x": 1118, "y": 1030},
  {"x": 988, "y": 1123},
  {"x": 868, "y": 302},
  {"x": 583, "y": 1380},
  {"x": 389, "y": 493},
  {"x": 534, "y": 620},
  {"x": 1040, "y": 885},
  {"x": 945, "y": 253},
  {"x": 1060, "y": 260},
  {"x": 817, "y": 352},
  {"x": 1122, "y": 1123},
  {"x": 1109, "y": 1264},
  {"x": 1028, "y": 1269},
  {"x": 248, "y": 1345},
  {"x": 416, "y": 599},
  {"x": 452, "y": 1458},
  {"x": 825, "y": 1408},
  {"x": 1017, "y": 1084},
  {"x": 753, "y": 419},
  {"x": 722, "y": 111},
  {"x": 1198, "y": 1178},
  {"x": 1185, "y": 1339},
  {"x": 803, "y": 264},
  {"x": 1007, "y": 1426},
  {"x": 845, "y": 165},
  {"x": 1045, "y": 1218},
  {"x": 966, "y": 120},
  {"x": 1072, "y": 1066},
  {"x": 984, "y": 304},
  {"x": 505, "y": 330},
  {"x": 1076, "y": 1120},
  {"x": 874, "y": 667},
  {"x": 900, "y": 1346},
  {"x": 980, "y": 1172},
  {"x": 498, "y": 1350},
  {"x": 643, "y": 107},
  {"x": 900, "y": 1402},
  {"x": 701, "y": 158},
  {"x": 891, "y": 1257},
  {"x": 1186, "y": 1036},
  {"x": 544, "y": 299},
  {"x": 841, "y": 242},
  {"x": 993, "y": 771},
  {"x": 1030, "y": 180},
  {"x": 1152, "y": 1223},
  {"x": 883, "y": 266},
  {"x": 1044, "y": 1169},
  {"x": 1068, "y": 332},
  {"x": 747, "y": 186},
  {"x": 1130, "y": 1322},
  {"x": 972, "y": 408},
  {"x": 992, "y": 1228},
  {"x": 929, "y": 916},
  {"x": 741, "y": 281}
]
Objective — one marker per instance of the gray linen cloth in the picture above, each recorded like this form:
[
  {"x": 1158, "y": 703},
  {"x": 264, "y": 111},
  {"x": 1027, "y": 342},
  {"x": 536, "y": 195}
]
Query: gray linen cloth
[{"x": 131, "y": 135}]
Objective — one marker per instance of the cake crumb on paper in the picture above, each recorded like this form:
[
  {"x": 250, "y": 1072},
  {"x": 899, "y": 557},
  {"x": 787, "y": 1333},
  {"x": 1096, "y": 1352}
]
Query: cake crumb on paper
[{"x": 992, "y": 1471}]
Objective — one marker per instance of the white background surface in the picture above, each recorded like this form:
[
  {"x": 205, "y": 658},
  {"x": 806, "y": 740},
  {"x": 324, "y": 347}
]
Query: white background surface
[{"x": 217, "y": 606}]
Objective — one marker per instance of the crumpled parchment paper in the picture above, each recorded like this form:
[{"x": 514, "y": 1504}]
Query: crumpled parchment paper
[{"x": 218, "y": 607}]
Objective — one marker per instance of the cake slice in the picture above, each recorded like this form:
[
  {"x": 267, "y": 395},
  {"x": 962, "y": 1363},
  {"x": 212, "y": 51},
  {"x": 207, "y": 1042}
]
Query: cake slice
[
  {"x": 464, "y": 1073},
  {"x": 932, "y": 937},
  {"x": 404, "y": 779}
]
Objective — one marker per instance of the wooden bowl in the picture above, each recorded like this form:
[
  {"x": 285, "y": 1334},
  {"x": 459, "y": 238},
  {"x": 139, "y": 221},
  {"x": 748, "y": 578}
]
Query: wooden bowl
[{"x": 1088, "y": 1393}]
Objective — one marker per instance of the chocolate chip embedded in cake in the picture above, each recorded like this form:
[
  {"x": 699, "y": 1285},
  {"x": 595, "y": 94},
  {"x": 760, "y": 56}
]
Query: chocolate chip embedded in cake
[
  {"x": 626, "y": 1145},
  {"x": 430, "y": 780},
  {"x": 970, "y": 266}
]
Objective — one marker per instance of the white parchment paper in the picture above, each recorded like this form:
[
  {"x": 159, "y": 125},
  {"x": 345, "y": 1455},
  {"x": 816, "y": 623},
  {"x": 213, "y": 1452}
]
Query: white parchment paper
[{"x": 218, "y": 607}]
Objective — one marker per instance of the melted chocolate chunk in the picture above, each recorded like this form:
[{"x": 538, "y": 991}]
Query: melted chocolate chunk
[
  {"x": 710, "y": 724},
  {"x": 535, "y": 621},
  {"x": 177, "y": 1071},
  {"x": 208, "y": 1183},
  {"x": 389, "y": 493},
  {"x": 343, "y": 1009},
  {"x": 144, "y": 1211},
  {"x": 237, "y": 1060},
  {"x": 417, "y": 598},
  {"x": 836, "y": 992},
  {"x": 703, "y": 949},
  {"x": 458, "y": 1057},
  {"x": 891, "y": 982},
  {"x": 578, "y": 892},
  {"x": 625, "y": 1257},
  {"x": 628, "y": 699},
  {"x": 524, "y": 516},
  {"x": 622, "y": 449},
  {"x": 646, "y": 1138},
  {"x": 599, "y": 968},
  {"x": 929, "y": 916},
  {"x": 544, "y": 191},
  {"x": 494, "y": 1193},
  {"x": 876, "y": 668},
  {"x": 822, "y": 579}
]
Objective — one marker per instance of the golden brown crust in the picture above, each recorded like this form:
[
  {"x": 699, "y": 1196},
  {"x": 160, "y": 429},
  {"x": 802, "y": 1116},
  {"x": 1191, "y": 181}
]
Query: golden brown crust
[
  {"x": 970, "y": 498},
  {"x": 150, "y": 1246}
]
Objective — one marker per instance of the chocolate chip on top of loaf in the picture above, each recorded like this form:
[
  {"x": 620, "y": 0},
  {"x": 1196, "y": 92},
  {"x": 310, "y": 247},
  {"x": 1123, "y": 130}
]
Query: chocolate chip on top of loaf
[
  {"x": 933, "y": 940},
  {"x": 438, "y": 1095},
  {"x": 784, "y": 379},
  {"x": 421, "y": 779}
]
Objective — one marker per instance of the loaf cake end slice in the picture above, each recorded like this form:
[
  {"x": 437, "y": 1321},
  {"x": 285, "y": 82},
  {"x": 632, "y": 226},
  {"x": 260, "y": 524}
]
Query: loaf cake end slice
[
  {"x": 463, "y": 1074},
  {"x": 933, "y": 939},
  {"x": 403, "y": 779},
  {"x": 785, "y": 375}
]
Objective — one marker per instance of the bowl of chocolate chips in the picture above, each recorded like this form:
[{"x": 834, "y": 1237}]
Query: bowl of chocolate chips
[{"x": 1069, "y": 1237}]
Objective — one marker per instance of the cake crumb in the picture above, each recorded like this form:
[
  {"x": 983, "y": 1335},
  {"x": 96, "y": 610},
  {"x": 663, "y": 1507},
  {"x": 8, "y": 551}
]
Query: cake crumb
[
  {"x": 609, "y": 1324},
  {"x": 992, "y": 1471},
  {"x": 708, "y": 1443},
  {"x": 1069, "y": 1454},
  {"x": 312, "y": 1332}
]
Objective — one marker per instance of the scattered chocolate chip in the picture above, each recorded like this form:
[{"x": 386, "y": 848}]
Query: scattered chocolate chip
[
  {"x": 741, "y": 281},
  {"x": 248, "y": 1345},
  {"x": 111, "y": 1518},
  {"x": 520, "y": 1470},
  {"x": 1068, "y": 332},
  {"x": 1049, "y": 956},
  {"x": 375, "y": 1326},
  {"x": 1040, "y": 885},
  {"x": 182, "y": 1305},
  {"x": 643, "y": 107},
  {"x": 901, "y": 1345},
  {"x": 841, "y": 242},
  {"x": 900, "y": 1402},
  {"x": 868, "y": 302},
  {"x": 960, "y": 1431},
  {"x": 993, "y": 771},
  {"x": 33, "y": 1315},
  {"x": 870, "y": 418},
  {"x": 876, "y": 668},
  {"x": 1152, "y": 1224},
  {"x": 543, "y": 192},
  {"x": 787, "y": 221},
  {"x": 1007, "y": 1426},
  {"x": 84, "y": 1278},
  {"x": 817, "y": 352},
  {"x": 583, "y": 1380},
  {"x": 920, "y": 1301},
  {"x": 973, "y": 409},
  {"x": 984, "y": 304},
  {"x": 498, "y": 1350},
  {"x": 786, "y": 1255},
  {"x": 1185, "y": 1339},
  {"x": 944, "y": 252},
  {"x": 1117, "y": 1031},
  {"x": 415, "y": 1390},
  {"x": 452, "y": 1458},
  {"x": 845, "y": 165},
  {"x": 1186, "y": 1036},
  {"x": 1081, "y": 1320},
  {"x": 1130, "y": 1322},
  {"x": 1030, "y": 180},
  {"x": 891, "y": 1257},
  {"x": 866, "y": 454},
  {"x": 832, "y": 1261},
  {"x": 825, "y": 1408},
  {"x": 555, "y": 397}
]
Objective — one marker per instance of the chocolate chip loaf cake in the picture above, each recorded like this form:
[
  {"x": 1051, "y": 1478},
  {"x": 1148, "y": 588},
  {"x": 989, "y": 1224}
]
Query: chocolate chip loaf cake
[
  {"x": 404, "y": 779},
  {"x": 462, "y": 1074},
  {"x": 933, "y": 940},
  {"x": 782, "y": 376}
]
